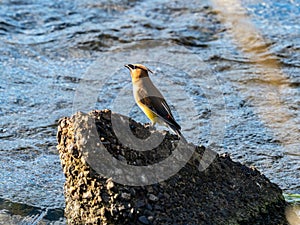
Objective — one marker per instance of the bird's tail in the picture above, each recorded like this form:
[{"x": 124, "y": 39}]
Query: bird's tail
[{"x": 179, "y": 134}]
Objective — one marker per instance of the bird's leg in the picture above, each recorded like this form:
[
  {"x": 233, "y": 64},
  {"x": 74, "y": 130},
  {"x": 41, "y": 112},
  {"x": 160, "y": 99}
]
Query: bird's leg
[{"x": 152, "y": 124}]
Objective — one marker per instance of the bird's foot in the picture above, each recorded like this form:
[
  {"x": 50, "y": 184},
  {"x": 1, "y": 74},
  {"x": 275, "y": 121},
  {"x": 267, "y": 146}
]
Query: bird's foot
[{"x": 150, "y": 126}]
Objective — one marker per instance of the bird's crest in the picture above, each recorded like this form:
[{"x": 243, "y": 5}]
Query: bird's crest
[{"x": 138, "y": 66}]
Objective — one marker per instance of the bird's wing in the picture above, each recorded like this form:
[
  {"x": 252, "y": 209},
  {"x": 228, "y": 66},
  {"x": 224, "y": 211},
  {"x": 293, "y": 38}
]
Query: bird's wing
[{"x": 159, "y": 107}]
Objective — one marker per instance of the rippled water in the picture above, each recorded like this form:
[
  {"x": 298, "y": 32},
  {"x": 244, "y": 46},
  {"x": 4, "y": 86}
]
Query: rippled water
[{"x": 48, "y": 47}]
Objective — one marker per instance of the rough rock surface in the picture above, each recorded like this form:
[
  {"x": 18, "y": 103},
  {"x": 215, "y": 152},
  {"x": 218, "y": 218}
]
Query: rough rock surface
[{"x": 226, "y": 192}]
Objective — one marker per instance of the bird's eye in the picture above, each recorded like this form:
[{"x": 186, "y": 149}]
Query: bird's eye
[{"x": 132, "y": 66}]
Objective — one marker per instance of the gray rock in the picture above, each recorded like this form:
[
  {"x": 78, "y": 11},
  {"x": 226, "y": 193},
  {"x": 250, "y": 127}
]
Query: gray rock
[
  {"x": 144, "y": 220},
  {"x": 153, "y": 198}
]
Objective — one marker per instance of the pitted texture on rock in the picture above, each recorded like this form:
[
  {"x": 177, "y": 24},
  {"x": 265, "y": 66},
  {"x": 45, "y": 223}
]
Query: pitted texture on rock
[{"x": 225, "y": 193}]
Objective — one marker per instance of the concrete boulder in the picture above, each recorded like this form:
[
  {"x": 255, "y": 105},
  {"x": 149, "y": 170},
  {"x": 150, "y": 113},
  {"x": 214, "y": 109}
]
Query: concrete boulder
[{"x": 226, "y": 192}]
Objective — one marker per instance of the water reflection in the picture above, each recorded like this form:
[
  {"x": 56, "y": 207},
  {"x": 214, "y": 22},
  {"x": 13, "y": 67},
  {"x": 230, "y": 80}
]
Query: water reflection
[{"x": 269, "y": 80}]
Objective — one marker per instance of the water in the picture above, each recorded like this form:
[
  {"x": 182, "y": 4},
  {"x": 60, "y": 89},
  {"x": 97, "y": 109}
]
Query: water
[{"x": 48, "y": 48}]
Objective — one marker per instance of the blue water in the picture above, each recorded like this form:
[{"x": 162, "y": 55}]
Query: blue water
[{"x": 47, "y": 49}]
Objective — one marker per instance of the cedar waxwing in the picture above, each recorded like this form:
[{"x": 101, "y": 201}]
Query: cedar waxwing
[{"x": 150, "y": 100}]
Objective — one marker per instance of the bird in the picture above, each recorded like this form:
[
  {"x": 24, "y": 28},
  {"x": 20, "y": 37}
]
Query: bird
[{"x": 150, "y": 99}]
